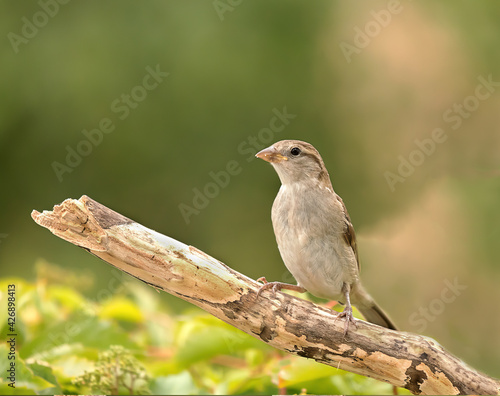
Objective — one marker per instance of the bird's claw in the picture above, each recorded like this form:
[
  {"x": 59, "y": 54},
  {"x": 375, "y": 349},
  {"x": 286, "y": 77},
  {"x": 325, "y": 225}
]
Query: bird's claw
[
  {"x": 349, "y": 318},
  {"x": 276, "y": 286}
]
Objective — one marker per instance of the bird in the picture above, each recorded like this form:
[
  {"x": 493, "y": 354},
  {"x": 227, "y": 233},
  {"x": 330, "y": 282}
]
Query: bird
[{"x": 314, "y": 233}]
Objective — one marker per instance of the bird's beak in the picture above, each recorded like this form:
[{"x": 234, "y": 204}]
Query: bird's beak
[{"x": 271, "y": 155}]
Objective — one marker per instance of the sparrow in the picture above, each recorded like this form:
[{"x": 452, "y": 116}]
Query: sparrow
[{"x": 315, "y": 234}]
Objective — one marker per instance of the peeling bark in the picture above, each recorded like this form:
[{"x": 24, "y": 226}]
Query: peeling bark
[{"x": 283, "y": 321}]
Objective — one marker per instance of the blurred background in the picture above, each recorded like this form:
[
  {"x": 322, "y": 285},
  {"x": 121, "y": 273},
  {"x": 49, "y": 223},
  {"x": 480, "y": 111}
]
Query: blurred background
[{"x": 400, "y": 98}]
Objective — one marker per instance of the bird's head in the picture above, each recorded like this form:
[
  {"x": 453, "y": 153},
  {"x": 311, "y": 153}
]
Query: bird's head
[{"x": 295, "y": 161}]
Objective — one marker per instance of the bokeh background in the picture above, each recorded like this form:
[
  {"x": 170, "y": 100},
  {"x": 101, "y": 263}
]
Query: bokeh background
[{"x": 428, "y": 243}]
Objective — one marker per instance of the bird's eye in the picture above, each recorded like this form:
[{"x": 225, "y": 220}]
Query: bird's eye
[{"x": 295, "y": 151}]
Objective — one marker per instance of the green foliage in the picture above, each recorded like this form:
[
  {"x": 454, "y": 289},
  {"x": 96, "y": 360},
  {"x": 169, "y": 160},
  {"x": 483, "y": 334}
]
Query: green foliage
[
  {"x": 130, "y": 343},
  {"x": 114, "y": 371}
]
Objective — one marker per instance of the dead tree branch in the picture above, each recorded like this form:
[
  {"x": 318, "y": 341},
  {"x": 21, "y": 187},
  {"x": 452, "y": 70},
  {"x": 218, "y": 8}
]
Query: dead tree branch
[{"x": 288, "y": 323}]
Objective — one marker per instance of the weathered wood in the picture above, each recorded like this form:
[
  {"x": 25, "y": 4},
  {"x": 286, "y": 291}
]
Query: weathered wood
[{"x": 288, "y": 323}]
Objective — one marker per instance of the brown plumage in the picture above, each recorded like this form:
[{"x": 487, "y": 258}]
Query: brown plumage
[{"x": 314, "y": 232}]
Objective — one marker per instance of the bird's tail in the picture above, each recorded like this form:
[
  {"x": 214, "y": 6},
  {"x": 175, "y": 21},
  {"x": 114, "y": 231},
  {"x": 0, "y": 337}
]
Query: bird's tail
[
  {"x": 369, "y": 308},
  {"x": 374, "y": 314}
]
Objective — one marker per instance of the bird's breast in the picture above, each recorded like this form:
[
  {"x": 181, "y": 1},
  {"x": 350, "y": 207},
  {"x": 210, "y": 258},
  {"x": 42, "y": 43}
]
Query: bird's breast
[{"x": 309, "y": 233}]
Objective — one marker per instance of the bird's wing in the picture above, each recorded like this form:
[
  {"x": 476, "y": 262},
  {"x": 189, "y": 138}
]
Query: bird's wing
[{"x": 349, "y": 234}]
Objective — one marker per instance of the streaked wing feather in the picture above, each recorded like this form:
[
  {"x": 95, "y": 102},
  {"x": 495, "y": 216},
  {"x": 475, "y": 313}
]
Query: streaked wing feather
[{"x": 349, "y": 234}]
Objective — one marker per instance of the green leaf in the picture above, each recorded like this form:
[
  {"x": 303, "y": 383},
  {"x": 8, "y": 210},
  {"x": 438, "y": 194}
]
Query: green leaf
[
  {"x": 145, "y": 297},
  {"x": 303, "y": 370},
  {"x": 71, "y": 366},
  {"x": 50, "y": 391},
  {"x": 243, "y": 380},
  {"x": 176, "y": 384},
  {"x": 24, "y": 376},
  {"x": 121, "y": 308},
  {"x": 205, "y": 337},
  {"x": 66, "y": 296},
  {"x": 319, "y": 379},
  {"x": 57, "y": 352},
  {"x": 87, "y": 330},
  {"x": 44, "y": 372},
  {"x": 360, "y": 385},
  {"x": 18, "y": 390}
]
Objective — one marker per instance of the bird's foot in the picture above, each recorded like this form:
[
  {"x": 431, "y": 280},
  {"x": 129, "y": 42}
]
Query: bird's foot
[
  {"x": 349, "y": 318},
  {"x": 277, "y": 286}
]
